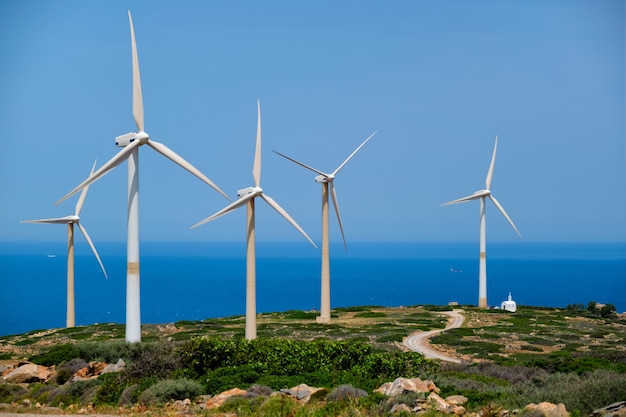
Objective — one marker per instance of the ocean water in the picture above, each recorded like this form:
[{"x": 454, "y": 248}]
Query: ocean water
[{"x": 195, "y": 281}]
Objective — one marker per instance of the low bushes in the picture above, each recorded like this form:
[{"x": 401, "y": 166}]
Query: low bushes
[
  {"x": 280, "y": 363},
  {"x": 170, "y": 389},
  {"x": 158, "y": 372}
]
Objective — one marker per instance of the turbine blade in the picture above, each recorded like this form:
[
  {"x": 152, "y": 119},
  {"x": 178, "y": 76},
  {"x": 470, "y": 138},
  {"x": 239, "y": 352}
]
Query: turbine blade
[
  {"x": 232, "y": 206},
  {"x": 104, "y": 169},
  {"x": 173, "y": 156},
  {"x": 463, "y": 199},
  {"x": 256, "y": 169},
  {"x": 504, "y": 214},
  {"x": 301, "y": 164},
  {"x": 333, "y": 194},
  {"x": 55, "y": 220},
  {"x": 269, "y": 200},
  {"x": 93, "y": 248},
  {"x": 137, "y": 98},
  {"x": 81, "y": 200},
  {"x": 493, "y": 162},
  {"x": 355, "y": 151}
]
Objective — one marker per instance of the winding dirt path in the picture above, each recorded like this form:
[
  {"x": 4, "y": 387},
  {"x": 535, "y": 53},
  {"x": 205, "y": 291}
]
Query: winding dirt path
[{"x": 418, "y": 342}]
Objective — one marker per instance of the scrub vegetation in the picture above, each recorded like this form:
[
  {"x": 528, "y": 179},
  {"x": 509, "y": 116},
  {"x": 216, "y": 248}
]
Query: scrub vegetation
[{"x": 509, "y": 359}]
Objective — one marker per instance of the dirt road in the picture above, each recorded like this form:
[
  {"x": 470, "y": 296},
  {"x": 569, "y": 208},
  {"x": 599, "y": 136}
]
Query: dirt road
[{"x": 418, "y": 342}]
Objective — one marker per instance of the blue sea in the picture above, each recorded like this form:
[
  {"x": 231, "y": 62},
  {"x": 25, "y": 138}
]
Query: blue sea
[{"x": 195, "y": 281}]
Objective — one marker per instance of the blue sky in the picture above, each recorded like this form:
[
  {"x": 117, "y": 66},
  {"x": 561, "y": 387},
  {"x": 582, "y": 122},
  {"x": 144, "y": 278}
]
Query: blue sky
[{"x": 437, "y": 79}]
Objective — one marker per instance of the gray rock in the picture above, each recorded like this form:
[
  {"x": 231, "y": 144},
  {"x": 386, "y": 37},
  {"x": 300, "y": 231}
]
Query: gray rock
[
  {"x": 114, "y": 367},
  {"x": 438, "y": 403},
  {"x": 456, "y": 400},
  {"x": 300, "y": 392},
  {"x": 615, "y": 409}
]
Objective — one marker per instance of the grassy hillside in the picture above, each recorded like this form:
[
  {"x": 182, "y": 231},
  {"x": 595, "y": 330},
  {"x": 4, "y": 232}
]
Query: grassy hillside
[{"x": 572, "y": 355}]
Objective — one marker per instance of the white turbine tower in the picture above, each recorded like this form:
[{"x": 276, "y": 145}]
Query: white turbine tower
[
  {"x": 482, "y": 194},
  {"x": 131, "y": 143},
  {"x": 327, "y": 186},
  {"x": 71, "y": 220},
  {"x": 247, "y": 196}
]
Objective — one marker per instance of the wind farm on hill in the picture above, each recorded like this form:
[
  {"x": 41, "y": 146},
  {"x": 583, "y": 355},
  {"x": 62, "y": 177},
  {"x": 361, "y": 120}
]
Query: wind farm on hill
[{"x": 130, "y": 144}]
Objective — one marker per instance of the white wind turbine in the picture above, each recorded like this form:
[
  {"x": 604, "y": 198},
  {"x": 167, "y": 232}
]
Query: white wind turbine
[
  {"x": 327, "y": 185},
  {"x": 131, "y": 143},
  {"x": 247, "y": 196},
  {"x": 482, "y": 194},
  {"x": 71, "y": 220}
]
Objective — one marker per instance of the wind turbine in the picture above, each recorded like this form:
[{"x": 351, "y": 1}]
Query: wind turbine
[
  {"x": 131, "y": 143},
  {"x": 482, "y": 194},
  {"x": 327, "y": 186},
  {"x": 71, "y": 221},
  {"x": 247, "y": 196}
]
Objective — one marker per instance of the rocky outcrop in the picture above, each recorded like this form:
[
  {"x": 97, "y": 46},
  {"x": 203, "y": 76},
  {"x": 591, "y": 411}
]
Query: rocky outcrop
[
  {"x": 24, "y": 373},
  {"x": 457, "y": 404},
  {"x": 453, "y": 404},
  {"x": 301, "y": 392},
  {"x": 546, "y": 409},
  {"x": 456, "y": 399},
  {"x": 401, "y": 385},
  {"x": 29, "y": 372},
  {"x": 435, "y": 402},
  {"x": 617, "y": 409},
  {"x": 219, "y": 399},
  {"x": 95, "y": 369},
  {"x": 115, "y": 367}
]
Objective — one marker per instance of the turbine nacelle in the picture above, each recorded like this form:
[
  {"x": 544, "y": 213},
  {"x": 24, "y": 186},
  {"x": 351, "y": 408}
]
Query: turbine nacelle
[
  {"x": 482, "y": 193},
  {"x": 125, "y": 140},
  {"x": 249, "y": 190},
  {"x": 324, "y": 178}
]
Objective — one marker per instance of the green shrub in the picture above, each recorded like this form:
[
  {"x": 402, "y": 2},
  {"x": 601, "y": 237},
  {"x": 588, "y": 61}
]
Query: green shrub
[
  {"x": 11, "y": 392},
  {"x": 39, "y": 392},
  {"x": 70, "y": 393},
  {"x": 153, "y": 360},
  {"x": 581, "y": 394},
  {"x": 106, "y": 351},
  {"x": 280, "y": 363},
  {"x": 55, "y": 355},
  {"x": 129, "y": 396},
  {"x": 63, "y": 375},
  {"x": 170, "y": 389},
  {"x": 241, "y": 406},
  {"x": 608, "y": 311},
  {"x": 345, "y": 392},
  {"x": 111, "y": 387},
  {"x": 278, "y": 406},
  {"x": 228, "y": 377}
]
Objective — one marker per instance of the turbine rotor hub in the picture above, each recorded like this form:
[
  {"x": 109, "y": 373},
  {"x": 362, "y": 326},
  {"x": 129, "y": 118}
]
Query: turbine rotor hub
[{"x": 143, "y": 136}]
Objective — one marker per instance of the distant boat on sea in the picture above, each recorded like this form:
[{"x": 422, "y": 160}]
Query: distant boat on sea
[{"x": 51, "y": 256}]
